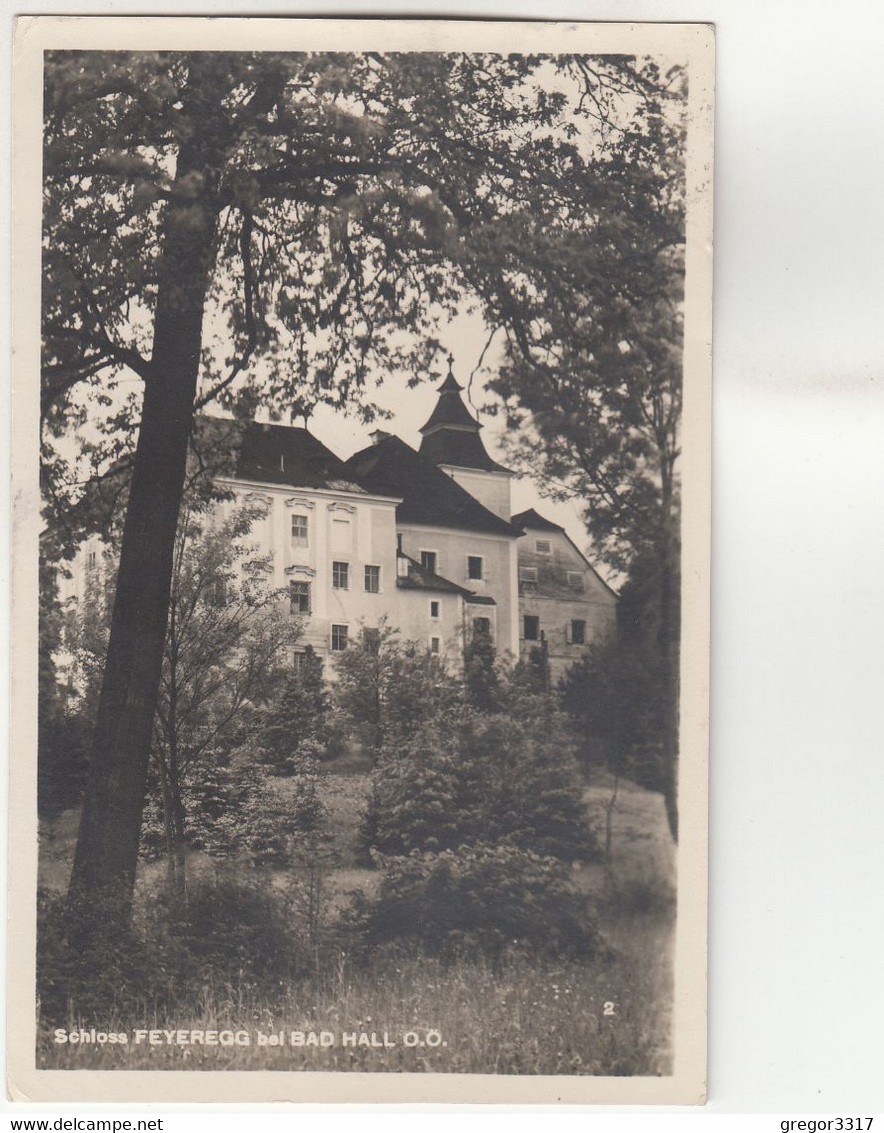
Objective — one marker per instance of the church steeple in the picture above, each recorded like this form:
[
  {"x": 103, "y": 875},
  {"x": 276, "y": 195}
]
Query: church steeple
[{"x": 452, "y": 435}]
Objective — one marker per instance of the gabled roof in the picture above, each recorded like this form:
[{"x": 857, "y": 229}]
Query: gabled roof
[
  {"x": 419, "y": 578},
  {"x": 535, "y": 521},
  {"x": 429, "y": 496}
]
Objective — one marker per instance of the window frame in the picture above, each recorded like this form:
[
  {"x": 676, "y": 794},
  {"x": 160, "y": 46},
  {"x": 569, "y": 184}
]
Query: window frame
[
  {"x": 432, "y": 554},
  {"x": 480, "y": 559},
  {"x": 539, "y": 544},
  {"x": 573, "y": 638},
  {"x": 345, "y": 626},
  {"x": 298, "y": 540},
  {"x": 535, "y": 618},
  {"x": 308, "y": 594},
  {"x": 434, "y": 602},
  {"x": 377, "y": 578},
  {"x": 340, "y": 568}
]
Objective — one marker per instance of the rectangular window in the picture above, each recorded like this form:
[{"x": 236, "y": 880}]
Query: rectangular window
[
  {"x": 299, "y": 597},
  {"x": 543, "y": 546},
  {"x": 373, "y": 579},
  {"x": 527, "y": 574},
  {"x": 575, "y": 580},
  {"x": 91, "y": 560},
  {"x": 340, "y": 576},
  {"x": 428, "y": 561},
  {"x": 482, "y": 626},
  {"x": 434, "y": 609},
  {"x": 371, "y": 640},
  {"x": 434, "y": 644},
  {"x": 340, "y": 535},
  {"x": 578, "y": 633},
  {"x": 338, "y": 638},
  {"x": 299, "y": 661},
  {"x": 475, "y": 566},
  {"x": 217, "y": 592},
  {"x": 532, "y": 627},
  {"x": 299, "y": 530}
]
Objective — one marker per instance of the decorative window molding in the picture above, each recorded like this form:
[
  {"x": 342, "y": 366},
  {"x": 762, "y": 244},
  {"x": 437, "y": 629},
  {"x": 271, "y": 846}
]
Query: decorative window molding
[
  {"x": 300, "y": 501},
  {"x": 305, "y": 570},
  {"x": 258, "y": 498},
  {"x": 338, "y": 506}
]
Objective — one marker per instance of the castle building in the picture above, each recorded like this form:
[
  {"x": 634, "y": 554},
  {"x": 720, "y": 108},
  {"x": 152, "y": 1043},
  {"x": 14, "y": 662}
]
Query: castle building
[{"x": 423, "y": 541}]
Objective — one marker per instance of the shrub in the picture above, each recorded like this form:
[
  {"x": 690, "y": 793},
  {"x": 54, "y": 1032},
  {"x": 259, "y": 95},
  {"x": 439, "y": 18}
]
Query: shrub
[
  {"x": 494, "y": 778},
  {"x": 489, "y": 898},
  {"x": 231, "y": 929}
]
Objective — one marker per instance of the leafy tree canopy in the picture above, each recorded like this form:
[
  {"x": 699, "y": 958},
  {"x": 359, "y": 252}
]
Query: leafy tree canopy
[{"x": 357, "y": 200}]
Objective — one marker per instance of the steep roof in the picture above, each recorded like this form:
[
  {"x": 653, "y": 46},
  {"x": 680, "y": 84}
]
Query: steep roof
[
  {"x": 452, "y": 434},
  {"x": 275, "y": 454},
  {"x": 429, "y": 496},
  {"x": 535, "y": 521}
]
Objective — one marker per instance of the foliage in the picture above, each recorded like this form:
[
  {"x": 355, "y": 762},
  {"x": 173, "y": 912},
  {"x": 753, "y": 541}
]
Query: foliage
[
  {"x": 616, "y": 693},
  {"x": 297, "y": 715},
  {"x": 480, "y": 674},
  {"x": 239, "y": 811},
  {"x": 227, "y": 932},
  {"x": 385, "y": 687},
  {"x": 508, "y": 777},
  {"x": 315, "y": 211},
  {"x": 479, "y": 898}
]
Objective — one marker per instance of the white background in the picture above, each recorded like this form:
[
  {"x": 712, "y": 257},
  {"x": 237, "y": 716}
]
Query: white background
[{"x": 797, "y": 783}]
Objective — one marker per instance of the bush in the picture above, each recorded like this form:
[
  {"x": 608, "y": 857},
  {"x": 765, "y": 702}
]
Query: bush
[
  {"x": 229, "y": 930},
  {"x": 495, "y": 778},
  {"x": 487, "y": 898}
]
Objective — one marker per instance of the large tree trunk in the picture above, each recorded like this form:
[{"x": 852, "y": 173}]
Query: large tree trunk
[{"x": 106, "y": 857}]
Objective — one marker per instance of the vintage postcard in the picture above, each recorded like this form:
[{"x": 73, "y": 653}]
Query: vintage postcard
[{"x": 362, "y": 420}]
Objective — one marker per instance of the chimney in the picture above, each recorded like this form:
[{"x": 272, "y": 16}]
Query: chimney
[{"x": 379, "y": 435}]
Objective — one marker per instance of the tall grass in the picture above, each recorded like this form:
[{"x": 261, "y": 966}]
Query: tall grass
[
  {"x": 520, "y": 1014},
  {"x": 519, "y": 1017}
]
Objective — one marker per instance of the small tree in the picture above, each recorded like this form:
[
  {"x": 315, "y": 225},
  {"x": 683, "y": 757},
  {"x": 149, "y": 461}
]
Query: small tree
[
  {"x": 224, "y": 647},
  {"x": 297, "y": 714},
  {"x": 386, "y": 686}
]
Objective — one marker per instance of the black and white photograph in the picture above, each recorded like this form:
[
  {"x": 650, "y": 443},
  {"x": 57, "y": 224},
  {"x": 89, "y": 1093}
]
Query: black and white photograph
[{"x": 362, "y": 503}]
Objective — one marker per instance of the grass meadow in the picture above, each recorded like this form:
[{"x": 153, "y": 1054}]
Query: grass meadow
[{"x": 609, "y": 1015}]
